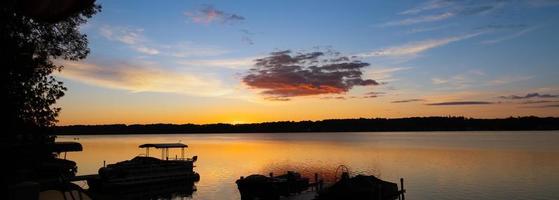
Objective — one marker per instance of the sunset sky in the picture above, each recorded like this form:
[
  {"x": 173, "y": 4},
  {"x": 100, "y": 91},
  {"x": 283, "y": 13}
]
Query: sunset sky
[{"x": 255, "y": 61}]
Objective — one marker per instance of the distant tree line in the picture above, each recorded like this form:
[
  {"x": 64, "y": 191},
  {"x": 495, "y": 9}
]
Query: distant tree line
[{"x": 331, "y": 125}]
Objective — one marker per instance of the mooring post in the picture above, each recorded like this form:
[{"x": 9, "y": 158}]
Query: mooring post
[
  {"x": 271, "y": 175},
  {"x": 402, "y": 188},
  {"x": 103, "y": 163},
  {"x": 316, "y": 181}
]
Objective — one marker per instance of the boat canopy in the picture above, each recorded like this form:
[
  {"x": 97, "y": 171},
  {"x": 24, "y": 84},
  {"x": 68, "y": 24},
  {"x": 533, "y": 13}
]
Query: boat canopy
[{"x": 164, "y": 145}]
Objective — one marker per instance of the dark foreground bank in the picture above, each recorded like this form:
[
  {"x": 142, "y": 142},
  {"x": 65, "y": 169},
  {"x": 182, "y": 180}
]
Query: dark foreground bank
[{"x": 331, "y": 125}]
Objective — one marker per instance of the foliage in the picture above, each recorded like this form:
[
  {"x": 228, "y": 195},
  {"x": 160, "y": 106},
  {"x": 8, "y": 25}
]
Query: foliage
[{"x": 29, "y": 48}]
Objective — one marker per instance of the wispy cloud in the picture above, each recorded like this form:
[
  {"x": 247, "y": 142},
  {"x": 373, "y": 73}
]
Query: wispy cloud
[
  {"x": 511, "y": 36},
  {"x": 136, "y": 40},
  {"x": 133, "y": 38},
  {"x": 189, "y": 49},
  {"x": 209, "y": 14},
  {"x": 407, "y": 100},
  {"x": 420, "y": 19},
  {"x": 460, "y": 103},
  {"x": 539, "y": 101},
  {"x": 460, "y": 81},
  {"x": 414, "y": 48},
  {"x": 142, "y": 77},
  {"x": 384, "y": 74},
  {"x": 529, "y": 96},
  {"x": 438, "y": 10},
  {"x": 509, "y": 79},
  {"x": 429, "y": 5},
  {"x": 426, "y": 29},
  {"x": 235, "y": 63}
]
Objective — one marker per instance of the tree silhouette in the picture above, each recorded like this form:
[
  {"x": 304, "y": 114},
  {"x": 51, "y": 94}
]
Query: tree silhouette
[{"x": 33, "y": 34}]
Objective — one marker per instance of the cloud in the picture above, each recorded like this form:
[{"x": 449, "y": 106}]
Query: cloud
[
  {"x": 384, "y": 74},
  {"x": 284, "y": 74},
  {"x": 509, "y": 79},
  {"x": 407, "y": 101},
  {"x": 430, "y": 5},
  {"x": 246, "y": 37},
  {"x": 420, "y": 19},
  {"x": 462, "y": 80},
  {"x": 142, "y": 77},
  {"x": 208, "y": 14},
  {"x": 188, "y": 49},
  {"x": 426, "y": 29},
  {"x": 529, "y": 96},
  {"x": 234, "y": 63},
  {"x": 459, "y": 103},
  {"x": 147, "y": 50},
  {"x": 131, "y": 37},
  {"x": 122, "y": 34},
  {"x": 438, "y": 10},
  {"x": 414, "y": 48},
  {"x": 509, "y": 37},
  {"x": 373, "y": 94},
  {"x": 475, "y": 78},
  {"x": 538, "y": 102}
]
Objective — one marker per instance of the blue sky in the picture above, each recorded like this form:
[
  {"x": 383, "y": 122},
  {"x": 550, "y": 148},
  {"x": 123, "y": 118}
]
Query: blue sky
[{"x": 176, "y": 60}]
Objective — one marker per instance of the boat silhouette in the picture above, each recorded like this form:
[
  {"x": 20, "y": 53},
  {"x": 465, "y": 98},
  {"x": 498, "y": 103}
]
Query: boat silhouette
[{"x": 144, "y": 170}]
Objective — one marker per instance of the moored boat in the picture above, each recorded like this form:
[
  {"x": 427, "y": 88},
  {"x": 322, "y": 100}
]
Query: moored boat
[
  {"x": 361, "y": 187},
  {"x": 146, "y": 170},
  {"x": 258, "y": 186}
]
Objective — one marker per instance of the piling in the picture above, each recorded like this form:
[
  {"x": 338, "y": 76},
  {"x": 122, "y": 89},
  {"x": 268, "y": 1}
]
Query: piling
[{"x": 402, "y": 188}]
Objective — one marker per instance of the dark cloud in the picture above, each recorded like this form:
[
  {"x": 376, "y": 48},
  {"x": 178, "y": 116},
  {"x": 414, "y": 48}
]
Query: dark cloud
[
  {"x": 407, "y": 100},
  {"x": 284, "y": 74},
  {"x": 538, "y": 102},
  {"x": 373, "y": 94},
  {"x": 246, "y": 37},
  {"x": 336, "y": 97},
  {"x": 209, "y": 14},
  {"x": 247, "y": 40},
  {"x": 458, "y": 103},
  {"x": 529, "y": 96}
]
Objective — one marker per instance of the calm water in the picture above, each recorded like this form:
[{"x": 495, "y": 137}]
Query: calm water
[{"x": 435, "y": 165}]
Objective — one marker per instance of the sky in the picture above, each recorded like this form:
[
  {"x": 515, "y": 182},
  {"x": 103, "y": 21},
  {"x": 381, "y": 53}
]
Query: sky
[{"x": 254, "y": 61}]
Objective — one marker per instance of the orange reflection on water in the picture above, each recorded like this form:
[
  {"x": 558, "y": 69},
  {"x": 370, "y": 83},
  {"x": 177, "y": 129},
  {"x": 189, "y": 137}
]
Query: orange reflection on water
[{"x": 435, "y": 166}]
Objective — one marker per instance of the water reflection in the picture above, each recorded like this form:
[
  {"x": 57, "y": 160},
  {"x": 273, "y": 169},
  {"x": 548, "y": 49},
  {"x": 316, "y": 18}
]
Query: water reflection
[
  {"x": 182, "y": 190},
  {"x": 442, "y": 165}
]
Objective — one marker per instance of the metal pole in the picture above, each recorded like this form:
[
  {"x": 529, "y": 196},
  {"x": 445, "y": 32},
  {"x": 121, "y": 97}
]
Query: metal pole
[{"x": 402, "y": 188}]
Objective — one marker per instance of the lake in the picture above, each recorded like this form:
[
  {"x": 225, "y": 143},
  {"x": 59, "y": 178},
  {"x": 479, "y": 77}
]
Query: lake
[{"x": 434, "y": 165}]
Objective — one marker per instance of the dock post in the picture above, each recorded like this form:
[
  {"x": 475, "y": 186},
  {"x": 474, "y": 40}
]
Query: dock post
[
  {"x": 271, "y": 175},
  {"x": 103, "y": 163},
  {"x": 402, "y": 188},
  {"x": 316, "y": 181}
]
